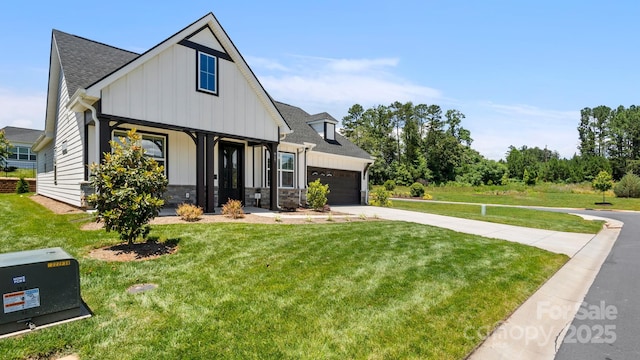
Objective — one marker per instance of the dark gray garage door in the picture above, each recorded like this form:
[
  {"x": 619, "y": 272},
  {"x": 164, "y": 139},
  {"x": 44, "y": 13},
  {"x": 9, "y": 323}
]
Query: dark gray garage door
[{"x": 344, "y": 186}]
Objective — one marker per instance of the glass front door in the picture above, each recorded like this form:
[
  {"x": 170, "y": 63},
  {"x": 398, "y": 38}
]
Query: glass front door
[{"x": 231, "y": 182}]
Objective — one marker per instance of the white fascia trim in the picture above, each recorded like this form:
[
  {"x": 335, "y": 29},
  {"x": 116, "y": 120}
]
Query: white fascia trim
[
  {"x": 305, "y": 145},
  {"x": 80, "y": 101},
  {"x": 334, "y": 122},
  {"x": 364, "y": 161},
  {"x": 42, "y": 141}
]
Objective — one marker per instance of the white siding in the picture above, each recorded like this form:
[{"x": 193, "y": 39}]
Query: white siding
[
  {"x": 181, "y": 154},
  {"x": 163, "y": 90},
  {"x": 70, "y": 163},
  {"x": 205, "y": 37},
  {"x": 45, "y": 168}
]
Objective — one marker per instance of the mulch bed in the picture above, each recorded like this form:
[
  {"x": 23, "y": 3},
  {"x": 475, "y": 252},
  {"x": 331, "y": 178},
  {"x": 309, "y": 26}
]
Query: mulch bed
[{"x": 150, "y": 249}]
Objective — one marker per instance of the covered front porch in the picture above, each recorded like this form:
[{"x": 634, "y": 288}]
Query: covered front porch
[{"x": 204, "y": 168}]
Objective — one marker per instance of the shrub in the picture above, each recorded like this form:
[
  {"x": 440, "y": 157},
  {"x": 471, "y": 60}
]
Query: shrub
[
  {"x": 128, "y": 188},
  {"x": 417, "y": 189},
  {"x": 22, "y": 186},
  {"x": 427, "y": 197},
  {"x": 389, "y": 185},
  {"x": 189, "y": 212},
  {"x": 380, "y": 197},
  {"x": 317, "y": 195},
  {"x": 628, "y": 186},
  {"x": 233, "y": 209},
  {"x": 505, "y": 178},
  {"x": 529, "y": 178}
]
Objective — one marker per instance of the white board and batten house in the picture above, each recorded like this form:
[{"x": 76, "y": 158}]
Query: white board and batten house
[{"x": 202, "y": 113}]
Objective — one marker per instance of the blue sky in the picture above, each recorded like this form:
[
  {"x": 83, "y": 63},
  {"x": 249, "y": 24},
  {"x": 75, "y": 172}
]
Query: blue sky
[{"x": 520, "y": 71}]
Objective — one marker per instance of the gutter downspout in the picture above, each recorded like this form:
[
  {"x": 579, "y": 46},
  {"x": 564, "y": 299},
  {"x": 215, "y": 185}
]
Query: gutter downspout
[
  {"x": 305, "y": 163},
  {"x": 94, "y": 116},
  {"x": 307, "y": 147}
]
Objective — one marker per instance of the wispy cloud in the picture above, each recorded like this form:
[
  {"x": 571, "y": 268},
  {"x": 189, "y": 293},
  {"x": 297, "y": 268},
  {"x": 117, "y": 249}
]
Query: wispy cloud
[
  {"x": 264, "y": 63},
  {"x": 324, "y": 84},
  {"x": 495, "y": 127},
  {"x": 361, "y": 65},
  {"x": 22, "y": 110},
  {"x": 529, "y": 111}
]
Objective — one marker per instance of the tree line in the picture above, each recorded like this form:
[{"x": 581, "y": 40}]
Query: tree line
[
  {"x": 418, "y": 143},
  {"x": 424, "y": 143},
  {"x": 612, "y": 134}
]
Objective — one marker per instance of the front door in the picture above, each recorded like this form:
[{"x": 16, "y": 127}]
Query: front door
[{"x": 231, "y": 182}]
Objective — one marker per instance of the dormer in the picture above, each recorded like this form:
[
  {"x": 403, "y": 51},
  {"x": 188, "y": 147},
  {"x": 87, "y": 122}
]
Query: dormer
[{"x": 325, "y": 125}]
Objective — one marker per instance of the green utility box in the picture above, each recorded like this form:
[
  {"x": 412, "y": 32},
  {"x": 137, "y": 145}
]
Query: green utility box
[{"x": 38, "y": 287}]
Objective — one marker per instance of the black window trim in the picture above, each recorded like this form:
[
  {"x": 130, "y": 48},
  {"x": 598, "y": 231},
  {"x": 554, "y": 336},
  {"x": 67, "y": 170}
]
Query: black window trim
[
  {"x": 151, "y": 133},
  {"x": 217, "y": 73}
]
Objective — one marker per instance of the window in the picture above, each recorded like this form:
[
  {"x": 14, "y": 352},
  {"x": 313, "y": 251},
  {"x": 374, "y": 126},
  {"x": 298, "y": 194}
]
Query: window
[
  {"x": 286, "y": 170},
  {"x": 329, "y": 131},
  {"x": 207, "y": 73},
  {"x": 286, "y": 162},
  {"x": 154, "y": 146},
  {"x": 21, "y": 153}
]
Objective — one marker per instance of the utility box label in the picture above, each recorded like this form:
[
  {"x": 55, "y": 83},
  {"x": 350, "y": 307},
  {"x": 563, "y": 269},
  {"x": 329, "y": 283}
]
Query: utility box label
[{"x": 21, "y": 300}]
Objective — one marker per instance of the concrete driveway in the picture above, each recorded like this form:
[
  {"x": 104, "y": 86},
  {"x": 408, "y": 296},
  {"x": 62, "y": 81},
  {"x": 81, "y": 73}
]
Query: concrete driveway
[{"x": 554, "y": 241}]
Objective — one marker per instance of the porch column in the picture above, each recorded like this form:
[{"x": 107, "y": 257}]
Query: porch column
[
  {"x": 211, "y": 143},
  {"x": 200, "y": 171},
  {"x": 273, "y": 189},
  {"x": 103, "y": 138}
]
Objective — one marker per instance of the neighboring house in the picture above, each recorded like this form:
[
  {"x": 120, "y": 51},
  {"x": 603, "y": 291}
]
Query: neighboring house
[
  {"x": 20, "y": 153},
  {"x": 202, "y": 114}
]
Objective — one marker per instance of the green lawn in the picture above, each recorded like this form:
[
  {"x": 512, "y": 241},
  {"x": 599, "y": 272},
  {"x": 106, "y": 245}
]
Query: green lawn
[
  {"x": 358, "y": 290},
  {"x": 545, "y": 194},
  {"x": 506, "y": 215}
]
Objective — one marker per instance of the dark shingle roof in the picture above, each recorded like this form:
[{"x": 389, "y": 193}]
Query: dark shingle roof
[
  {"x": 21, "y": 135},
  {"x": 303, "y": 132},
  {"x": 86, "y": 61},
  {"x": 321, "y": 116}
]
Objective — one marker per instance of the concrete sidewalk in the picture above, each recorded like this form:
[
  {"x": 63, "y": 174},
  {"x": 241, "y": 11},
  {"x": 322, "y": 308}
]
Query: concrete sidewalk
[{"x": 537, "y": 328}]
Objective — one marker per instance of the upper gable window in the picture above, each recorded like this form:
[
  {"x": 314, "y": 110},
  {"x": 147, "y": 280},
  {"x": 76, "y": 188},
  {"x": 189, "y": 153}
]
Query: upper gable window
[{"x": 207, "y": 73}]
